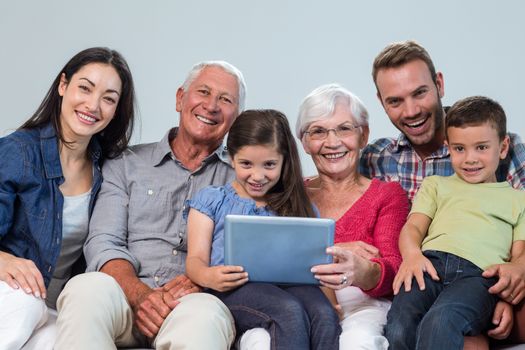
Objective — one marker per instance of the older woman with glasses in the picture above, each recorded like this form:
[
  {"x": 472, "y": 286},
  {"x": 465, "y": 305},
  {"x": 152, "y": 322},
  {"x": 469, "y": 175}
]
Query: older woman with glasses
[{"x": 333, "y": 127}]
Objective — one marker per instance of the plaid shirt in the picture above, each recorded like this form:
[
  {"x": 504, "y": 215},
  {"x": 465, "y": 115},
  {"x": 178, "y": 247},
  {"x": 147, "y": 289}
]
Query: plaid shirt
[{"x": 392, "y": 159}]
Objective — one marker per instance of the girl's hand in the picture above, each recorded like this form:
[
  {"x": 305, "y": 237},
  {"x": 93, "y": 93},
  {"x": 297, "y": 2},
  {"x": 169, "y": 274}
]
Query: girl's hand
[
  {"x": 225, "y": 278},
  {"x": 22, "y": 273},
  {"x": 414, "y": 265}
]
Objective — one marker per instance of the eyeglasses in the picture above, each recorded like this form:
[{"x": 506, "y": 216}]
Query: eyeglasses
[{"x": 341, "y": 131}]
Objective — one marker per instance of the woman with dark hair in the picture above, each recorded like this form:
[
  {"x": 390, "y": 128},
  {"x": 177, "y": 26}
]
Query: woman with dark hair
[{"x": 49, "y": 179}]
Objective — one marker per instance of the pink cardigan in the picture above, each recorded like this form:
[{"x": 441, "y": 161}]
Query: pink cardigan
[{"x": 377, "y": 218}]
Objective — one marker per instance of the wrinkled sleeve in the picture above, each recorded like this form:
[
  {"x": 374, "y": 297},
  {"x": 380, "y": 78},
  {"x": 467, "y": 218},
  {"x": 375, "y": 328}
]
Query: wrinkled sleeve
[
  {"x": 108, "y": 227},
  {"x": 391, "y": 218},
  {"x": 11, "y": 171},
  {"x": 206, "y": 201}
]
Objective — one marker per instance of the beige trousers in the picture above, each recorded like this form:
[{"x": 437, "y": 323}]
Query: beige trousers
[{"x": 93, "y": 313}]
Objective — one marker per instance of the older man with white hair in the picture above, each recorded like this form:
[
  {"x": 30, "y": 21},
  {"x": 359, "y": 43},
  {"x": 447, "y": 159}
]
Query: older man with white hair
[{"x": 136, "y": 292}]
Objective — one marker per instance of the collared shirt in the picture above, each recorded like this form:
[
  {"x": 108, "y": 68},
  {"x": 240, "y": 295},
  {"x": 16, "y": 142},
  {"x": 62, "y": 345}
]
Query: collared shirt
[
  {"x": 31, "y": 202},
  {"x": 392, "y": 159},
  {"x": 138, "y": 215}
]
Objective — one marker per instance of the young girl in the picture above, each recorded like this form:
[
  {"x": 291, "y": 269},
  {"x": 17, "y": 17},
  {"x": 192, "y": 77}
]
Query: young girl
[
  {"x": 49, "y": 179},
  {"x": 268, "y": 182}
]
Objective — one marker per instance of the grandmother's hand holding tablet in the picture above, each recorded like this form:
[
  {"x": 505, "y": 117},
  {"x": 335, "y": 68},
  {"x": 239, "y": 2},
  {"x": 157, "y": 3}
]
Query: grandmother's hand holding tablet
[{"x": 351, "y": 266}]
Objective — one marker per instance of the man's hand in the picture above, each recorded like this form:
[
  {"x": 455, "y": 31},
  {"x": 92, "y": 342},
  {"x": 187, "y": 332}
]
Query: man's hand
[
  {"x": 503, "y": 318},
  {"x": 180, "y": 286},
  {"x": 151, "y": 309},
  {"x": 511, "y": 283}
]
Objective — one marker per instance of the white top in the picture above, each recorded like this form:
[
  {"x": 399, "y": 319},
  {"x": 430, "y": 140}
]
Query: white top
[{"x": 75, "y": 221}]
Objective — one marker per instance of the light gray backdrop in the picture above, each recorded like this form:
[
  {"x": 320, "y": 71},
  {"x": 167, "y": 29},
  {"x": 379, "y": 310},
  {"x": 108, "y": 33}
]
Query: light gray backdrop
[{"x": 284, "y": 48}]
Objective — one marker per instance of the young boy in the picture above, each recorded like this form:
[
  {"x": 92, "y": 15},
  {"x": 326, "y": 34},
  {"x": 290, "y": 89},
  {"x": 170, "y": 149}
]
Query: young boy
[{"x": 458, "y": 226}]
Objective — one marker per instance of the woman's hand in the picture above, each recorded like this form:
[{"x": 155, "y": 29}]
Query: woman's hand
[
  {"x": 414, "y": 265},
  {"x": 348, "y": 269},
  {"x": 22, "y": 273},
  {"x": 364, "y": 250},
  {"x": 224, "y": 278}
]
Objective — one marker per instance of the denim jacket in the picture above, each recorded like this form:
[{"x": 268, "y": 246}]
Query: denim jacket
[{"x": 30, "y": 199}]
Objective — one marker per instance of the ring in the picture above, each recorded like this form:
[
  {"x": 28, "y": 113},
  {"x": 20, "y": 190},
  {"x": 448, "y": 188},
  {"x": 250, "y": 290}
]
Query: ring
[
  {"x": 344, "y": 279},
  {"x": 511, "y": 296}
]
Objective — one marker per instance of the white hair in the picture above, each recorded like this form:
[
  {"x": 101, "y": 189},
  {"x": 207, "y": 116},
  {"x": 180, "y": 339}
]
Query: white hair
[
  {"x": 321, "y": 102},
  {"x": 228, "y": 68}
]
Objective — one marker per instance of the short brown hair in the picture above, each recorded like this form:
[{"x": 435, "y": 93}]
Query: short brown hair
[
  {"x": 400, "y": 53},
  {"x": 477, "y": 110}
]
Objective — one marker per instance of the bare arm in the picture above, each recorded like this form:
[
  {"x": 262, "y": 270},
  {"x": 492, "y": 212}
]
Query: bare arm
[
  {"x": 124, "y": 273},
  {"x": 414, "y": 263},
  {"x": 220, "y": 278}
]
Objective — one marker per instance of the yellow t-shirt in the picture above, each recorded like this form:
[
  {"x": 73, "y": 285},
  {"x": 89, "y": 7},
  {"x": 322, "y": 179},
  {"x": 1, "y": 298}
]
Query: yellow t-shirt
[{"x": 477, "y": 222}]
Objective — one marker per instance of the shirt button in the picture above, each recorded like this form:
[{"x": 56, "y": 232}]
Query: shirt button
[
  {"x": 156, "y": 278},
  {"x": 150, "y": 192},
  {"x": 175, "y": 252}
]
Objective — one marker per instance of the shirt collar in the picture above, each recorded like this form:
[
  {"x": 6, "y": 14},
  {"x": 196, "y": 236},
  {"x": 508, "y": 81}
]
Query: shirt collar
[
  {"x": 51, "y": 155},
  {"x": 163, "y": 149},
  {"x": 403, "y": 142}
]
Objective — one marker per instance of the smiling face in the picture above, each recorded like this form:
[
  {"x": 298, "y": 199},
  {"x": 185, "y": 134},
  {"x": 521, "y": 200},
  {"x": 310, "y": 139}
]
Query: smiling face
[
  {"x": 412, "y": 101},
  {"x": 336, "y": 156},
  {"x": 475, "y": 152},
  {"x": 257, "y": 170},
  {"x": 89, "y": 101},
  {"x": 209, "y": 106}
]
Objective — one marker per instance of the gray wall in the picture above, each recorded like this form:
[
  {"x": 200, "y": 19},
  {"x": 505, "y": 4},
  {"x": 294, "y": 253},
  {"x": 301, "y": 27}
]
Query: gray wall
[{"x": 284, "y": 48}]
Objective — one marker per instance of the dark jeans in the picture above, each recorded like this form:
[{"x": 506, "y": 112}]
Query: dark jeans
[
  {"x": 438, "y": 317},
  {"x": 297, "y": 317}
]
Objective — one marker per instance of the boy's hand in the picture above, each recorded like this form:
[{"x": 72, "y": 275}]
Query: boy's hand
[
  {"x": 503, "y": 318},
  {"x": 225, "y": 278},
  {"x": 414, "y": 265}
]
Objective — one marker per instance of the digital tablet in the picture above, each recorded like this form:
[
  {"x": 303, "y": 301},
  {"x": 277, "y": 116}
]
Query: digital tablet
[{"x": 278, "y": 250}]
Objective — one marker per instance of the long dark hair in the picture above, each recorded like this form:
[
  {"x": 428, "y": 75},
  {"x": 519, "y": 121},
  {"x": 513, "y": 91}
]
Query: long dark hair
[
  {"x": 270, "y": 127},
  {"x": 116, "y": 135}
]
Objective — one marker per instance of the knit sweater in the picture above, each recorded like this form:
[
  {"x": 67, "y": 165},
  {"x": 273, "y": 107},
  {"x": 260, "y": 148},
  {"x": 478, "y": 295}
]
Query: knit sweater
[{"x": 377, "y": 218}]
